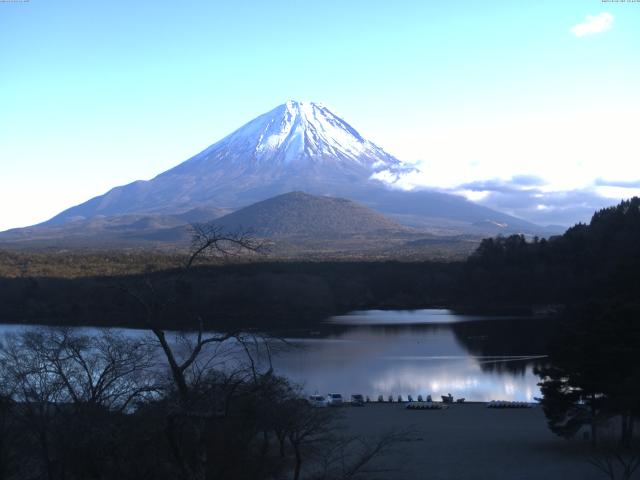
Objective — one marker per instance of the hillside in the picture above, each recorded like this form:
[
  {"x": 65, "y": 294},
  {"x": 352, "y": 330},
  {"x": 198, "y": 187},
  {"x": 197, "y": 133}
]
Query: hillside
[
  {"x": 301, "y": 214},
  {"x": 121, "y": 231},
  {"x": 295, "y": 225}
]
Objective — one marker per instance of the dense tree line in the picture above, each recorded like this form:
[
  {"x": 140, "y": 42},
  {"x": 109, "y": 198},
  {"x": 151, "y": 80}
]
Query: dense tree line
[
  {"x": 599, "y": 260},
  {"x": 73, "y": 263},
  {"x": 289, "y": 294}
]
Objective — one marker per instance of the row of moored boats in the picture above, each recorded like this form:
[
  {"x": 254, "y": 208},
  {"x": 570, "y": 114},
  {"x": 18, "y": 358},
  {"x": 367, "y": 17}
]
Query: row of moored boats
[{"x": 419, "y": 403}]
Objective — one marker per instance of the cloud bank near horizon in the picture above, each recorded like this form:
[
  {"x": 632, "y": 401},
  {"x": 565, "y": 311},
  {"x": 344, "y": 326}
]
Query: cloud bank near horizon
[
  {"x": 533, "y": 198},
  {"x": 529, "y": 197}
]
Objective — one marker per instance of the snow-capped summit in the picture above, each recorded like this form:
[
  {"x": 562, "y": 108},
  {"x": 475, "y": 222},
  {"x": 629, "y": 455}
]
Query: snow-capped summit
[
  {"x": 299, "y": 131},
  {"x": 297, "y": 134}
]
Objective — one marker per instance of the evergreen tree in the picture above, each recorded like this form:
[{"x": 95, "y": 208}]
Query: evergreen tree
[{"x": 594, "y": 373}]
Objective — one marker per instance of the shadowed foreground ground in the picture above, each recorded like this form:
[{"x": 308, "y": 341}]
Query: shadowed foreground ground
[{"x": 470, "y": 441}]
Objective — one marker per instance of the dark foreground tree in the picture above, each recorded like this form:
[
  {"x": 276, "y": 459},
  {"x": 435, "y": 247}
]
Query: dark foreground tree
[
  {"x": 594, "y": 373},
  {"x": 8, "y": 434},
  {"x": 195, "y": 396},
  {"x": 66, "y": 390}
]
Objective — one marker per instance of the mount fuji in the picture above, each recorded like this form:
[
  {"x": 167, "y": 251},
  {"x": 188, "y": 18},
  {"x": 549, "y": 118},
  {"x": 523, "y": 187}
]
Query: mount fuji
[{"x": 297, "y": 146}]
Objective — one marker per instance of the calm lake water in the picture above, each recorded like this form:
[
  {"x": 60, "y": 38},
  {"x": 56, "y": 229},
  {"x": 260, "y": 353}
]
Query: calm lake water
[
  {"x": 421, "y": 352},
  {"x": 417, "y": 352}
]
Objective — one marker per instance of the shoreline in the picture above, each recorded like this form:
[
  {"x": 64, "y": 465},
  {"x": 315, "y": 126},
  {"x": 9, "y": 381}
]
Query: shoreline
[{"x": 469, "y": 441}]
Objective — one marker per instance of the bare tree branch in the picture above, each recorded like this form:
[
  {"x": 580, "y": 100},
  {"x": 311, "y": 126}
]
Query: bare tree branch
[{"x": 211, "y": 239}]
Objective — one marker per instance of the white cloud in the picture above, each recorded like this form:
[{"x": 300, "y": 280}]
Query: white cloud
[
  {"x": 593, "y": 24},
  {"x": 615, "y": 192}
]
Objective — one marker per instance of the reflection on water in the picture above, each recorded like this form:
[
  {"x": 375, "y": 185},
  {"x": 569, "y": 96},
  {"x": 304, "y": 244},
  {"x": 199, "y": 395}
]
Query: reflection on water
[
  {"x": 478, "y": 358},
  {"x": 414, "y": 353},
  {"x": 402, "y": 317}
]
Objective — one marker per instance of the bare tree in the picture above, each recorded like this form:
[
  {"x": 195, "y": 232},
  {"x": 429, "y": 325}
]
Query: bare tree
[
  {"x": 306, "y": 427},
  {"x": 349, "y": 458},
  {"x": 617, "y": 459},
  {"x": 106, "y": 370},
  {"x": 67, "y": 384},
  {"x": 6, "y": 407},
  {"x": 208, "y": 240},
  {"x": 28, "y": 380},
  {"x": 616, "y": 463},
  {"x": 188, "y": 369},
  {"x": 315, "y": 435}
]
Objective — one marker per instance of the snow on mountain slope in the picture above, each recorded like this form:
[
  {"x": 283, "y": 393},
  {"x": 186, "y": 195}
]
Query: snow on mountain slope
[
  {"x": 295, "y": 146},
  {"x": 295, "y": 135}
]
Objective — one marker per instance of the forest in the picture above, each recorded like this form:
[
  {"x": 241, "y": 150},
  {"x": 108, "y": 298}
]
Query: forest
[{"x": 595, "y": 261}]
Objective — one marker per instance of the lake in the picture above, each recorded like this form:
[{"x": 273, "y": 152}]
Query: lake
[
  {"x": 421, "y": 352},
  {"x": 418, "y": 352}
]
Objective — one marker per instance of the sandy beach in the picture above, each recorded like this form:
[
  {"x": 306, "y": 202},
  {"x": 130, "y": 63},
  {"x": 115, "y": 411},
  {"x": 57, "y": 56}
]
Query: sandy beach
[{"x": 473, "y": 442}]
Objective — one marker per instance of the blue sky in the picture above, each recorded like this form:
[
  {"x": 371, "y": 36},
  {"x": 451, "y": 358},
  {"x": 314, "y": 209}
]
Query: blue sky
[{"x": 97, "y": 94}]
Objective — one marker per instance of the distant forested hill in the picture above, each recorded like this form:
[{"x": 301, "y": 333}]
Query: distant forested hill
[
  {"x": 598, "y": 260},
  {"x": 301, "y": 214}
]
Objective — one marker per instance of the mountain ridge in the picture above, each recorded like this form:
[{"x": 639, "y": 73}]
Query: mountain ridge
[{"x": 297, "y": 146}]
